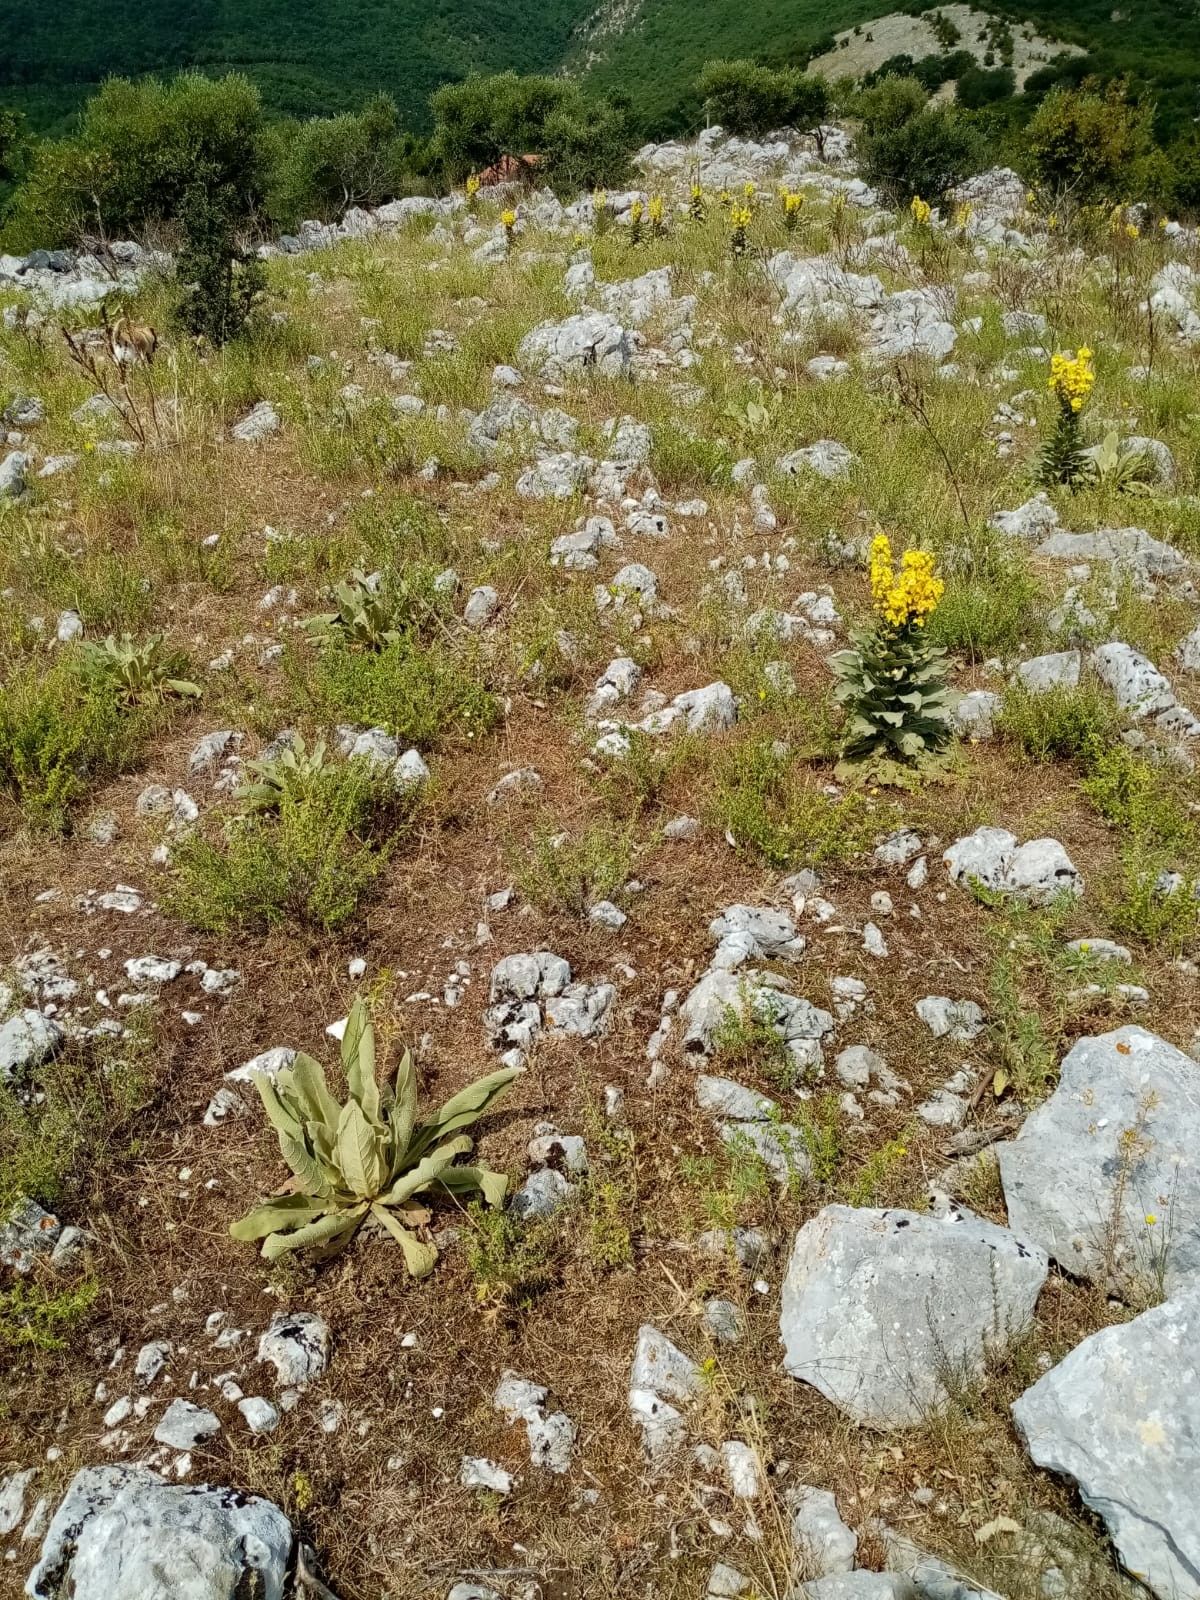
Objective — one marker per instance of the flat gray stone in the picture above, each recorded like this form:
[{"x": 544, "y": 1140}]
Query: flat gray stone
[
  {"x": 296, "y": 1344},
  {"x": 1120, "y": 1417},
  {"x": 1137, "y": 684},
  {"x": 184, "y": 1426},
  {"x": 858, "y": 1586},
  {"x": 881, "y": 1309},
  {"x": 122, "y": 1533},
  {"x": 821, "y": 1539},
  {"x": 27, "y": 1041},
  {"x": 1117, "y": 1142}
]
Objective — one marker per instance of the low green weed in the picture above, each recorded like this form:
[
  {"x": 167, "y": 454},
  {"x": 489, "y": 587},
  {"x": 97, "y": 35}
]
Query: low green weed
[
  {"x": 774, "y": 809},
  {"x": 309, "y": 860}
]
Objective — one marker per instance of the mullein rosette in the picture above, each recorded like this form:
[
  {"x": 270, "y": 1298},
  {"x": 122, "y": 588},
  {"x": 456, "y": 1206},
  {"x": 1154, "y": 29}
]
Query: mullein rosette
[{"x": 892, "y": 682}]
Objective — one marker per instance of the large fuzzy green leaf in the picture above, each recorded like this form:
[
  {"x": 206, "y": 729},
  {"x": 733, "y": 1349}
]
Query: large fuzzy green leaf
[
  {"x": 427, "y": 1169},
  {"x": 360, "y": 1154},
  {"x": 331, "y": 1231},
  {"x": 420, "y": 1258},
  {"x": 358, "y": 1058},
  {"x": 306, "y": 1078},
  {"x": 467, "y": 1180},
  {"x": 404, "y": 1112},
  {"x": 464, "y": 1108},
  {"x": 279, "y": 1114},
  {"x": 287, "y": 1211}
]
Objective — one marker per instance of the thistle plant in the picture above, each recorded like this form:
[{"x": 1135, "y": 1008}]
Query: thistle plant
[
  {"x": 138, "y": 674},
  {"x": 792, "y": 204},
  {"x": 740, "y": 218},
  {"x": 1072, "y": 379},
  {"x": 369, "y": 1161},
  {"x": 635, "y": 222},
  {"x": 892, "y": 682}
]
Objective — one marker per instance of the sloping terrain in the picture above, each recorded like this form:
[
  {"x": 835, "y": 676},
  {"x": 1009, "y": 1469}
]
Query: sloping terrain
[{"x": 851, "y": 1116}]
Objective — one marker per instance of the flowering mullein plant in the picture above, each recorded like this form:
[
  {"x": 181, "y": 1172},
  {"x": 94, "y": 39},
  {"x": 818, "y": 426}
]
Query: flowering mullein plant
[
  {"x": 636, "y": 212},
  {"x": 697, "y": 203},
  {"x": 740, "y": 218},
  {"x": 892, "y": 682},
  {"x": 656, "y": 211},
  {"x": 791, "y": 203},
  {"x": 1072, "y": 379}
]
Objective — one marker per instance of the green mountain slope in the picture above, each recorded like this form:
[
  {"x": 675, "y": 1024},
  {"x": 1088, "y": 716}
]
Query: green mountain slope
[
  {"x": 315, "y": 56},
  {"x": 308, "y": 56}
]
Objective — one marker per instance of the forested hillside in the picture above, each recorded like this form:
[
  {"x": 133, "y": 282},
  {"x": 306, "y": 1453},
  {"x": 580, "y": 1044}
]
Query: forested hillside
[
  {"x": 308, "y": 56},
  {"x": 311, "y": 57}
]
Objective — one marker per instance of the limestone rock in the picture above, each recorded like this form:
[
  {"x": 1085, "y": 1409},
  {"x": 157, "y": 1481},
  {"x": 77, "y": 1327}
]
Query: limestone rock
[
  {"x": 122, "y": 1533},
  {"x": 1117, "y": 1143},
  {"x": 1120, "y": 1416},
  {"x": 878, "y": 1305}
]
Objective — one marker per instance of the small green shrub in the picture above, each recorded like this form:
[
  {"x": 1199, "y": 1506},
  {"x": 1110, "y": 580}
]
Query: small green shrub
[
  {"x": 564, "y": 874},
  {"x": 1144, "y": 802},
  {"x": 369, "y": 1161},
  {"x": 993, "y": 602},
  {"x": 774, "y": 809},
  {"x": 424, "y": 694},
  {"x": 1146, "y": 901},
  {"x": 746, "y": 1040},
  {"x": 60, "y": 734},
  {"x": 34, "y": 1317},
  {"x": 907, "y": 147},
  {"x": 310, "y": 859},
  {"x": 512, "y": 1262},
  {"x": 1060, "y": 723}
]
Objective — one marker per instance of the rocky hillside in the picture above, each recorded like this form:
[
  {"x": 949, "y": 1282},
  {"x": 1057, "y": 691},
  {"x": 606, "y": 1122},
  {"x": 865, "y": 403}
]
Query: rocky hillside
[{"x": 458, "y": 650}]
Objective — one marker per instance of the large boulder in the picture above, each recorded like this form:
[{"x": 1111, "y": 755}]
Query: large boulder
[
  {"x": 593, "y": 341},
  {"x": 123, "y": 1533},
  {"x": 883, "y": 1311},
  {"x": 1105, "y": 1176},
  {"x": 1120, "y": 1416}
]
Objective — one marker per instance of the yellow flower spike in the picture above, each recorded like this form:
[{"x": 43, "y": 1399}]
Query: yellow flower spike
[
  {"x": 509, "y": 219},
  {"x": 1072, "y": 380},
  {"x": 922, "y": 211},
  {"x": 656, "y": 210},
  {"x": 473, "y": 186},
  {"x": 749, "y": 189},
  {"x": 906, "y": 599}
]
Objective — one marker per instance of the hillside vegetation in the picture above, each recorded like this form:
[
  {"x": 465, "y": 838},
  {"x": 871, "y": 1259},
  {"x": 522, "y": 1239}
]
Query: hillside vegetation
[
  {"x": 714, "y": 664},
  {"x": 311, "y": 58}
]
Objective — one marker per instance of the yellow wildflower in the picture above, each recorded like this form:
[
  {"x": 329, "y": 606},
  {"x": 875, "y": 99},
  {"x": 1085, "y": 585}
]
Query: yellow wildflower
[
  {"x": 473, "y": 185},
  {"x": 1132, "y": 231},
  {"x": 1151, "y": 1219},
  {"x": 1072, "y": 380},
  {"x": 922, "y": 211},
  {"x": 656, "y": 210},
  {"x": 635, "y": 211},
  {"x": 509, "y": 219},
  {"x": 749, "y": 189},
  {"x": 599, "y": 200},
  {"x": 963, "y": 214},
  {"x": 908, "y": 598},
  {"x": 792, "y": 202}
]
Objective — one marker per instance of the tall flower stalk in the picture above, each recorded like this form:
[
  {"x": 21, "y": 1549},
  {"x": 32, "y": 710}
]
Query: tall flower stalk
[
  {"x": 892, "y": 682},
  {"x": 1072, "y": 379}
]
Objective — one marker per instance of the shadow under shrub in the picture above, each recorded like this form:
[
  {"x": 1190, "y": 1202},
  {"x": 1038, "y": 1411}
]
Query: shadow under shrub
[{"x": 311, "y": 860}]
